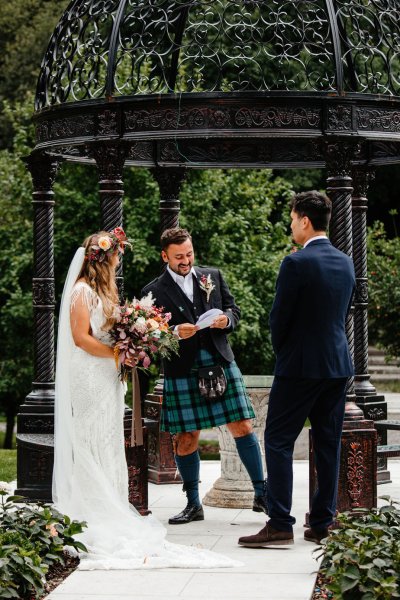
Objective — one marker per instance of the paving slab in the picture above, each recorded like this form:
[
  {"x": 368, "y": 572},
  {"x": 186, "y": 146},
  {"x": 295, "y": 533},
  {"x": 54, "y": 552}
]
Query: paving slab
[{"x": 272, "y": 574}]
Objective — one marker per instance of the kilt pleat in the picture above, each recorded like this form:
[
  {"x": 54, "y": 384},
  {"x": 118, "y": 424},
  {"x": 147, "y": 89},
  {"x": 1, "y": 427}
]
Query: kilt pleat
[{"x": 184, "y": 409}]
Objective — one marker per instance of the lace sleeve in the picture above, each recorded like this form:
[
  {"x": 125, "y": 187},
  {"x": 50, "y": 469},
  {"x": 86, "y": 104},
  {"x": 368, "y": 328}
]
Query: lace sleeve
[{"x": 83, "y": 295}]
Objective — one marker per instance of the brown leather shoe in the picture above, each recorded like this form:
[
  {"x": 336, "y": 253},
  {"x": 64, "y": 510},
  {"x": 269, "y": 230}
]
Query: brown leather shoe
[
  {"x": 315, "y": 535},
  {"x": 267, "y": 537}
]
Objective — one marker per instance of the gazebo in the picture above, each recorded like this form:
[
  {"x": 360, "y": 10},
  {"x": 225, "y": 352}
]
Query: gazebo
[{"x": 173, "y": 85}]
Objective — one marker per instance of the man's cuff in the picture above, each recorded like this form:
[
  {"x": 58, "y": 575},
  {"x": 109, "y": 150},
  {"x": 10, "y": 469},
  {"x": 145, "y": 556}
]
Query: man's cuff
[{"x": 176, "y": 332}]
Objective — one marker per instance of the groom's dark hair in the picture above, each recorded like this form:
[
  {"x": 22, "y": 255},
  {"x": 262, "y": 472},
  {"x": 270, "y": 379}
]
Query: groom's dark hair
[
  {"x": 175, "y": 235},
  {"x": 314, "y": 205}
]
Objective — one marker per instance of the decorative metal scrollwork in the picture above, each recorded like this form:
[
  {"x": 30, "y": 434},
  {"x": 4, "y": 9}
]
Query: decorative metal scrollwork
[
  {"x": 370, "y": 41},
  {"x": 131, "y": 47}
]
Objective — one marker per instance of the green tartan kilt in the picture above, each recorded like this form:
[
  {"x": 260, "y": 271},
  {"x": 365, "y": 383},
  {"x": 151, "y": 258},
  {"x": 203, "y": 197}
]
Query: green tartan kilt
[{"x": 184, "y": 409}]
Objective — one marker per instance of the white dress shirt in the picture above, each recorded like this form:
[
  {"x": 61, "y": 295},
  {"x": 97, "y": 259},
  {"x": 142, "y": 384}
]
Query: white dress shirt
[
  {"x": 186, "y": 285},
  {"x": 184, "y": 282},
  {"x": 316, "y": 237}
]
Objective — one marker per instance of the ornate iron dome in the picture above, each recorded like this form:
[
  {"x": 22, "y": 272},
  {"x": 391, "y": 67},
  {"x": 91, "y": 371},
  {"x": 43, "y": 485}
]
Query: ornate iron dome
[
  {"x": 104, "y": 48},
  {"x": 198, "y": 83}
]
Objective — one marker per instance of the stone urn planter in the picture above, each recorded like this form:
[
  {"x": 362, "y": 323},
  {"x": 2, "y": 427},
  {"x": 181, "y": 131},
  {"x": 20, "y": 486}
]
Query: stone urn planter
[{"x": 234, "y": 488}]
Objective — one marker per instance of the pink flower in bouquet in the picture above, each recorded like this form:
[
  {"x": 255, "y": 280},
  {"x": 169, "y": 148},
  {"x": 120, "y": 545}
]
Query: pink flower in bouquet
[{"x": 142, "y": 333}]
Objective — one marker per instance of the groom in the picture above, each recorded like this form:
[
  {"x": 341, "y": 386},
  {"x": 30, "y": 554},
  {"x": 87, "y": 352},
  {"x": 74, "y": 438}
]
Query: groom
[
  {"x": 313, "y": 296},
  {"x": 187, "y": 292}
]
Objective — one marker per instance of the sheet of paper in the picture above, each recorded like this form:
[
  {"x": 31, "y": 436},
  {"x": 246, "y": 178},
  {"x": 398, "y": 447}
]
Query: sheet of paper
[{"x": 207, "y": 318}]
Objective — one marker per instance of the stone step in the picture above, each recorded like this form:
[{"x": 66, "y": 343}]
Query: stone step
[
  {"x": 377, "y": 357},
  {"x": 388, "y": 451},
  {"x": 389, "y": 369},
  {"x": 383, "y": 377},
  {"x": 388, "y": 424},
  {"x": 381, "y": 360},
  {"x": 374, "y": 351}
]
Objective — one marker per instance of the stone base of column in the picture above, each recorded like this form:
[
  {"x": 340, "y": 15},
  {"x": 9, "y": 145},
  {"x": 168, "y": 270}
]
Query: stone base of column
[
  {"x": 35, "y": 448},
  {"x": 234, "y": 488},
  {"x": 230, "y": 494},
  {"x": 374, "y": 407},
  {"x": 35, "y": 460},
  {"x": 161, "y": 461}
]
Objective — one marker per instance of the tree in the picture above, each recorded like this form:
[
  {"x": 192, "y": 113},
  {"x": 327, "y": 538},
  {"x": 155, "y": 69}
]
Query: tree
[
  {"x": 25, "y": 30},
  {"x": 384, "y": 290}
]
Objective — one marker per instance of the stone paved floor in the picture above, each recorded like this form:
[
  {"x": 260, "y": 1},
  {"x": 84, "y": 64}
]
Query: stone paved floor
[{"x": 271, "y": 574}]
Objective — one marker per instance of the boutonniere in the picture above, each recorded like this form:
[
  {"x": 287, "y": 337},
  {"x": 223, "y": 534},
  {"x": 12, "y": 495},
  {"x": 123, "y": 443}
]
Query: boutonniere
[{"x": 207, "y": 285}]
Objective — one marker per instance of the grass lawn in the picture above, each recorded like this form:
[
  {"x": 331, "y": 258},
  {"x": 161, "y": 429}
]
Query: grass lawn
[
  {"x": 8, "y": 465},
  {"x": 209, "y": 450},
  {"x": 8, "y": 461},
  {"x": 389, "y": 386}
]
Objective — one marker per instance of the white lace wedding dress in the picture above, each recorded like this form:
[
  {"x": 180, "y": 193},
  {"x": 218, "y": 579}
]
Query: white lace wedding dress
[{"x": 90, "y": 481}]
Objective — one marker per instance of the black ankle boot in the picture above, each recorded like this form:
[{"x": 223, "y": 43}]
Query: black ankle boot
[
  {"x": 260, "y": 504},
  {"x": 191, "y": 512}
]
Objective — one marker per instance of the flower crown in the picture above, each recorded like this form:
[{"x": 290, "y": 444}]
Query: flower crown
[{"x": 108, "y": 244}]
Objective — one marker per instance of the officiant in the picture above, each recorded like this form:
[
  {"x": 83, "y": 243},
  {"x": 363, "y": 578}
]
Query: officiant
[{"x": 203, "y": 386}]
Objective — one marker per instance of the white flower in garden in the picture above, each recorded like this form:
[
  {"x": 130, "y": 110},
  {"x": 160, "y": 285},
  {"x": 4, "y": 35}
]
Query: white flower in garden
[
  {"x": 104, "y": 243},
  {"x": 5, "y": 487}
]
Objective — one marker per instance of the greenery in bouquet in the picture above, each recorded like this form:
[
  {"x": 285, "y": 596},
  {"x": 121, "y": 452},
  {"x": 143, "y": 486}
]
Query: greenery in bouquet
[{"x": 141, "y": 333}]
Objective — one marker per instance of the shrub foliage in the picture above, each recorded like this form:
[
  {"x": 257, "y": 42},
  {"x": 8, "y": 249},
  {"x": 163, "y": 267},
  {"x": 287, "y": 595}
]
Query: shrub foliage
[
  {"x": 362, "y": 558},
  {"x": 32, "y": 538}
]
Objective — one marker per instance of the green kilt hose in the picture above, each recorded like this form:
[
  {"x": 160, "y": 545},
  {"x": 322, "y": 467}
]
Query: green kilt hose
[{"x": 184, "y": 409}]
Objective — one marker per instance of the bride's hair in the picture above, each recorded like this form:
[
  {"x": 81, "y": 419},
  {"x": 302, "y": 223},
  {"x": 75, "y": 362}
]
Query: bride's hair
[{"x": 100, "y": 276}]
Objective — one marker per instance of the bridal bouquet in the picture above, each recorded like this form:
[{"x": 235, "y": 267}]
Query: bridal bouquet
[{"x": 141, "y": 333}]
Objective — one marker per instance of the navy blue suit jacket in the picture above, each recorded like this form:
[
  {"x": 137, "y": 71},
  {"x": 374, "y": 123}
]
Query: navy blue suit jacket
[{"x": 314, "y": 291}]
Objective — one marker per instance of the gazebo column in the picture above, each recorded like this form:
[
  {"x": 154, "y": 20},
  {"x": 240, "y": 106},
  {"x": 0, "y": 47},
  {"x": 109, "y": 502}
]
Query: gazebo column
[
  {"x": 357, "y": 472},
  {"x": 36, "y": 417},
  {"x": 110, "y": 159},
  {"x": 373, "y": 405},
  {"x": 162, "y": 467},
  {"x": 169, "y": 181}
]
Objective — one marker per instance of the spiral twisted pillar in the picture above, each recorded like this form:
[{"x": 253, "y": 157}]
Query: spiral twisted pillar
[
  {"x": 36, "y": 416},
  {"x": 110, "y": 159},
  {"x": 339, "y": 189},
  {"x": 162, "y": 467},
  {"x": 373, "y": 405},
  {"x": 357, "y": 469}
]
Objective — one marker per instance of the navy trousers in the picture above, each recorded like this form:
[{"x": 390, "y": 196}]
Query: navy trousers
[{"x": 291, "y": 401}]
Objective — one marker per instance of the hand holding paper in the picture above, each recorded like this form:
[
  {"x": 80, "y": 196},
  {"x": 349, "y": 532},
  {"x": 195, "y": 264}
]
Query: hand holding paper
[{"x": 208, "y": 318}]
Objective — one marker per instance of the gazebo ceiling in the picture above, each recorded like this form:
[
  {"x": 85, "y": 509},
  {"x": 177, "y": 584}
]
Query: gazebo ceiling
[{"x": 152, "y": 72}]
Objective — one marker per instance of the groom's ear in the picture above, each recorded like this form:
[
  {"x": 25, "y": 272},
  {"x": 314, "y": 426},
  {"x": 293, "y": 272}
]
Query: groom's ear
[{"x": 164, "y": 256}]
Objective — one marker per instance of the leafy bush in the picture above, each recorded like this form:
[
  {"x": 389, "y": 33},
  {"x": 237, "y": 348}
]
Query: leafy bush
[
  {"x": 32, "y": 538},
  {"x": 384, "y": 290},
  {"x": 362, "y": 558}
]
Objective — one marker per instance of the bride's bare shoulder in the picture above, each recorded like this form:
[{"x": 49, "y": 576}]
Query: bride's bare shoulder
[{"x": 82, "y": 282}]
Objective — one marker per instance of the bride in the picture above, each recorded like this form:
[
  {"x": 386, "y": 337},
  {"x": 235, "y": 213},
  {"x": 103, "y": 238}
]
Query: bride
[{"x": 90, "y": 478}]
